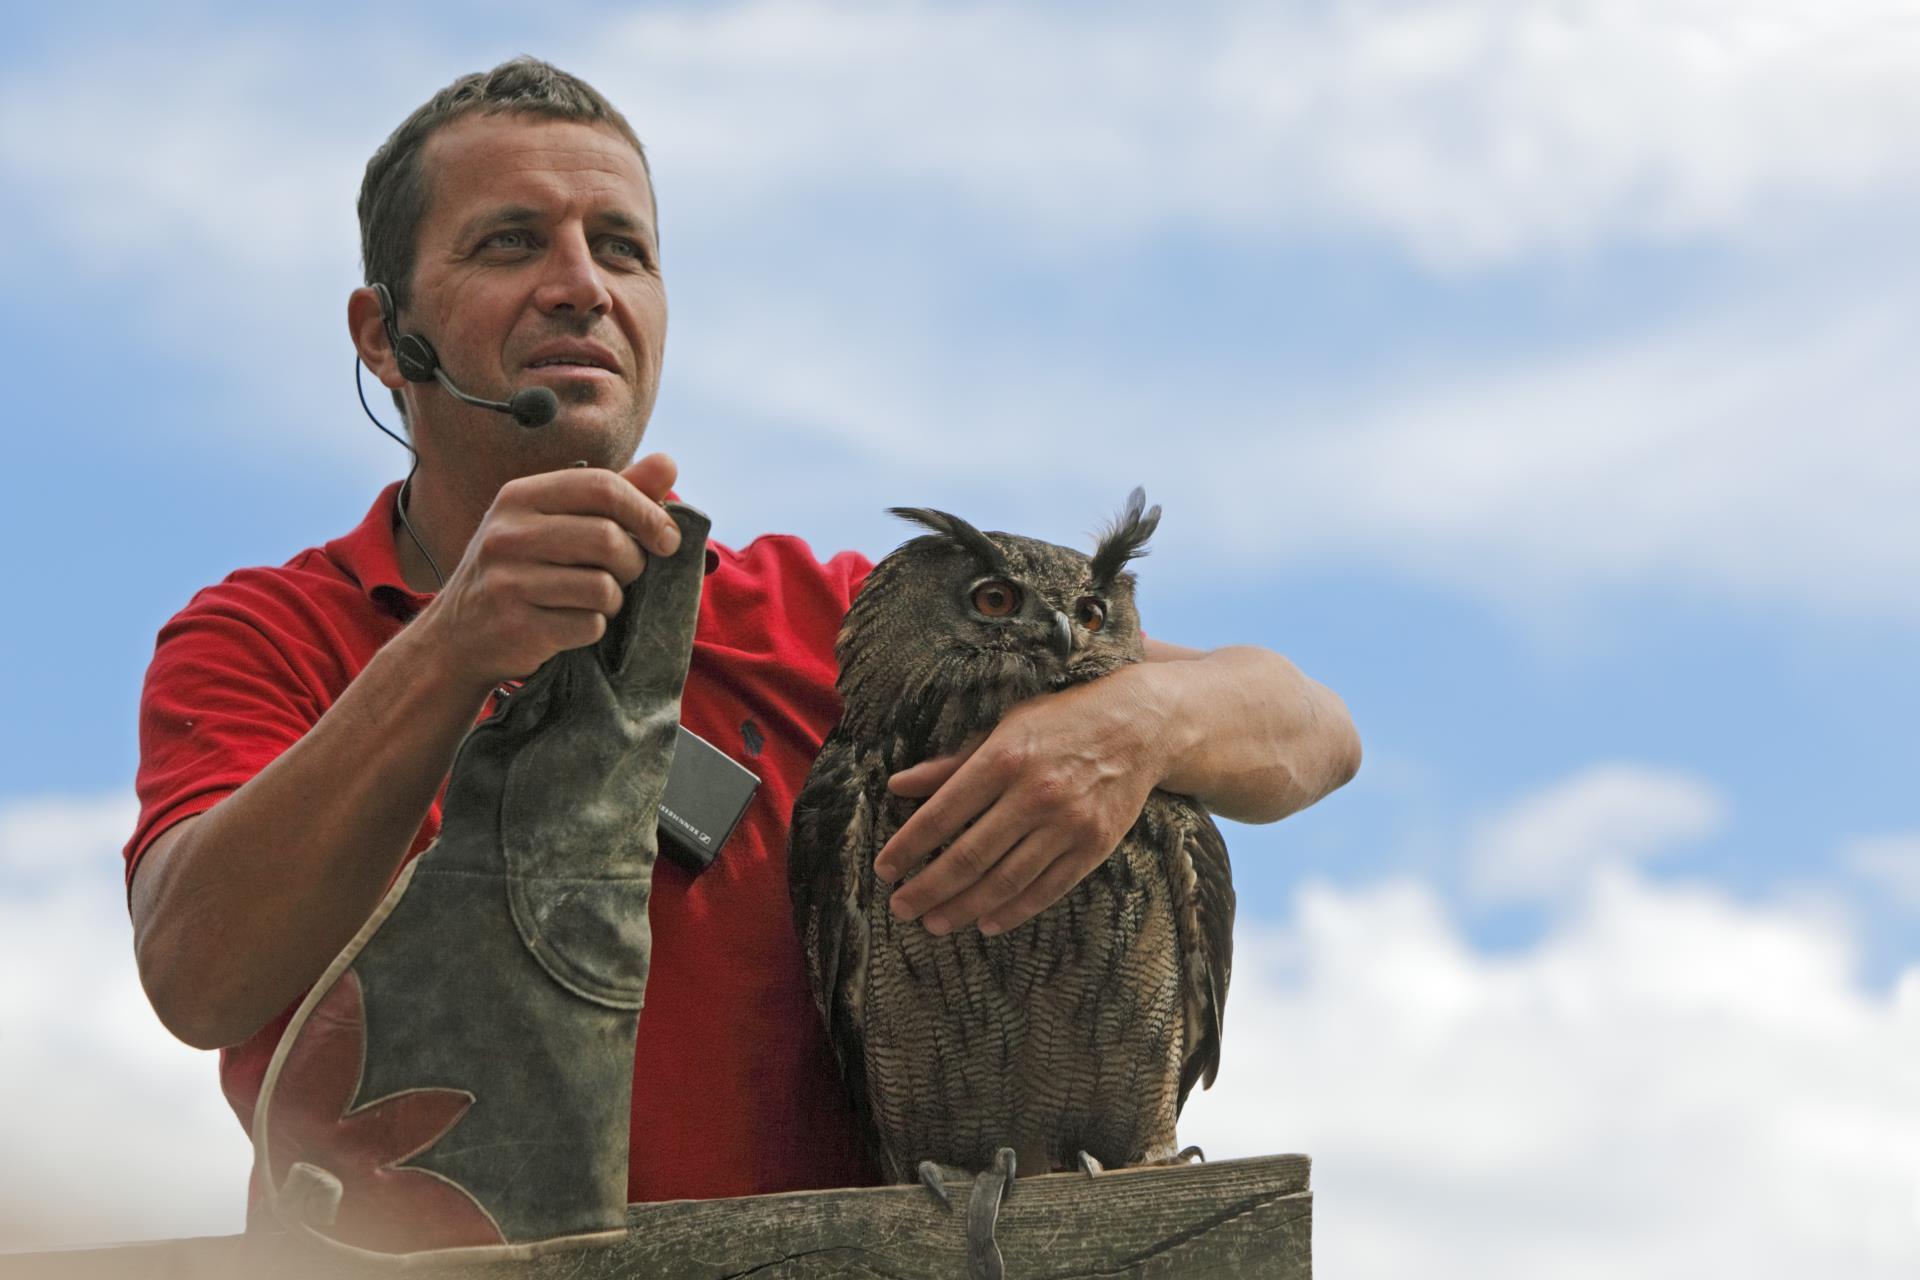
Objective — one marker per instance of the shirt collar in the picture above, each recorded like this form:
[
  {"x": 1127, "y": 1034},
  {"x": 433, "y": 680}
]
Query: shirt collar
[{"x": 369, "y": 557}]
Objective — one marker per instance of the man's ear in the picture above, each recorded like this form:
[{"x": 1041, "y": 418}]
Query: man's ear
[{"x": 368, "y": 329}]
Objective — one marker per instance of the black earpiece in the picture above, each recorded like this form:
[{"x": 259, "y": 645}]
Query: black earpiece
[{"x": 414, "y": 354}]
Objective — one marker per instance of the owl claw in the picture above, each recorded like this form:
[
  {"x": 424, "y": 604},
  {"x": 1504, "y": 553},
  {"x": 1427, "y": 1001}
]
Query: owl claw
[
  {"x": 935, "y": 1181},
  {"x": 1090, "y": 1165},
  {"x": 983, "y": 1210},
  {"x": 1187, "y": 1154}
]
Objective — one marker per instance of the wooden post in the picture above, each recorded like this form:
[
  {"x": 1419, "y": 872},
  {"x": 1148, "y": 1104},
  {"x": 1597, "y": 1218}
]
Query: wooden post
[{"x": 1230, "y": 1218}]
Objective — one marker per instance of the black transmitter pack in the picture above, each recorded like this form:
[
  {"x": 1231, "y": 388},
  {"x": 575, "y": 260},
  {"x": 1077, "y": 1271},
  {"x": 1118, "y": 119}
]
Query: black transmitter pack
[{"x": 706, "y": 793}]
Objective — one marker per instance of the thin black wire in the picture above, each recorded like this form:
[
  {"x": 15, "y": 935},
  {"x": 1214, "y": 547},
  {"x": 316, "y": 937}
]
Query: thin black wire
[{"x": 405, "y": 485}]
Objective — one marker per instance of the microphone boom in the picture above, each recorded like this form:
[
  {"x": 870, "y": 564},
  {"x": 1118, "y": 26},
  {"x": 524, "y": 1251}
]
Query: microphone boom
[{"x": 530, "y": 406}]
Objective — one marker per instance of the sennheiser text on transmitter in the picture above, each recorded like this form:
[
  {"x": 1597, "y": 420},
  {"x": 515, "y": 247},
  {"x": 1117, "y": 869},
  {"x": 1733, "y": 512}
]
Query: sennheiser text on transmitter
[{"x": 707, "y": 792}]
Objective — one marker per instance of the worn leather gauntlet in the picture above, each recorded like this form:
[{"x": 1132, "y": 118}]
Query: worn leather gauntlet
[{"x": 460, "y": 1079}]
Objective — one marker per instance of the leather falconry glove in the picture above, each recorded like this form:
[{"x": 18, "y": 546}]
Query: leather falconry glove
[{"x": 459, "y": 1082}]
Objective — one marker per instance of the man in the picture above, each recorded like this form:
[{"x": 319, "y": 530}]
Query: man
[{"x": 298, "y": 723}]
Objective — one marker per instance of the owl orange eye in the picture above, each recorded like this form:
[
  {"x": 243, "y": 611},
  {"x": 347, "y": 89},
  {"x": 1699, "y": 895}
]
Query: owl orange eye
[
  {"x": 996, "y": 599},
  {"x": 1090, "y": 614}
]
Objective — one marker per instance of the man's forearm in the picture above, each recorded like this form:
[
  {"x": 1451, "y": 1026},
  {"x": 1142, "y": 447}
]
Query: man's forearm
[
  {"x": 238, "y": 911},
  {"x": 1246, "y": 732}
]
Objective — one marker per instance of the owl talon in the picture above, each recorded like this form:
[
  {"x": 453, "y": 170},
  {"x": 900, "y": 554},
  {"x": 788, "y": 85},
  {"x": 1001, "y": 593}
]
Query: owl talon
[
  {"x": 983, "y": 1211},
  {"x": 1189, "y": 1155},
  {"x": 1091, "y": 1166},
  {"x": 934, "y": 1180}
]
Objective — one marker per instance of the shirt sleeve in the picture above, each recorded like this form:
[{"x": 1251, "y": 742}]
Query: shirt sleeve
[
  {"x": 847, "y": 572},
  {"x": 222, "y": 700}
]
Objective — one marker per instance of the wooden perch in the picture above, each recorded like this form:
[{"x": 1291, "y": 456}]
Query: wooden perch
[{"x": 1230, "y": 1218}]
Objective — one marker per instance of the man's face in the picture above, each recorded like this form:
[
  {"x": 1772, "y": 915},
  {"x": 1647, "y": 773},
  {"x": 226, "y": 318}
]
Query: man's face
[{"x": 539, "y": 265}]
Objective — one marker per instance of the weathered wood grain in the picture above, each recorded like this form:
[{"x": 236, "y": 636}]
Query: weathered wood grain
[{"x": 1231, "y": 1218}]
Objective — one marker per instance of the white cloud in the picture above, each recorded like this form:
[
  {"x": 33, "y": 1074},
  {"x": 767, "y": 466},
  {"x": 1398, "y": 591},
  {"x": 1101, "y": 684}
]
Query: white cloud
[
  {"x": 138, "y": 164},
  {"x": 1891, "y": 863},
  {"x": 1671, "y": 1084},
  {"x": 1468, "y": 132},
  {"x": 220, "y": 228},
  {"x": 113, "y": 1130},
  {"x": 61, "y": 837},
  {"x": 1603, "y": 818},
  {"x": 1746, "y": 454},
  {"x": 1763, "y": 452},
  {"x": 1760, "y": 458}
]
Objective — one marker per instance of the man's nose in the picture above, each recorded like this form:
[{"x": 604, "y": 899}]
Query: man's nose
[{"x": 571, "y": 278}]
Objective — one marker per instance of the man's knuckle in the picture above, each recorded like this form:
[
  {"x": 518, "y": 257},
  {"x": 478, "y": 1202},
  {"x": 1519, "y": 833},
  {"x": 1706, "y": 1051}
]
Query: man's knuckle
[
  {"x": 605, "y": 486},
  {"x": 611, "y": 594},
  {"x": 627, "y": 562},
  {"x": 972, "y": 858},
  {"x": 613, "y": 541},
  {"x": 1003, "y": 882},
  {"x": 1053, "y": 790},
  {"x": 490, "y": 543},
  {"x": 1014, "y": 758},
  {"x": 495, "y": 582},
  {"x": 510, "y": 539},
  {"x": 1082, "y": 815}
]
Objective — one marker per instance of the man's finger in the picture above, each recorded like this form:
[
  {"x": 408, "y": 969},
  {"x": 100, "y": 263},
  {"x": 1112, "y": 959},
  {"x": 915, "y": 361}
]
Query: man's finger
[
  {"x": 962, "y": 798},
  {"x": 1052, "y": 885},
  {"x": 927, "y": 777},
  {"x": 1002, "y": 883},
  {"x": 962, "y": 863},
  {"x": 592, "y": 491},
  {"x": 594, "y": 541},
  {"x": 571, "y": 587}
]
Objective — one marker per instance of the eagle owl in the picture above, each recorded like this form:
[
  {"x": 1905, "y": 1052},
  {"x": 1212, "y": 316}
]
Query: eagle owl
[{"x": 1080, "y": 1033}]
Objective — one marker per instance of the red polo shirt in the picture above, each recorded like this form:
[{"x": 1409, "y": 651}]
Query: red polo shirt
[{"x": 735, "y": 1091}]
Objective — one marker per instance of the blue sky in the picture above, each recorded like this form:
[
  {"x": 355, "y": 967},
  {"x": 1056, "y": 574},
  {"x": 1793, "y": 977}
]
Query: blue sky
[{"x": 1537, "y": 377}]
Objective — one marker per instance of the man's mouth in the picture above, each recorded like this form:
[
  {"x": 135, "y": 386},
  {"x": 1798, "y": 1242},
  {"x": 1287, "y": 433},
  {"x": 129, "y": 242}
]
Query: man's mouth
[
  {"x": 566, "y": 362},
  {"x": 574, "y": 355}
]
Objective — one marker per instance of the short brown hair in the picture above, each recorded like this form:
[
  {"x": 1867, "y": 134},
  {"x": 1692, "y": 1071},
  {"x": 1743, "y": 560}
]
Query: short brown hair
[{"x": 393, "y": 195}]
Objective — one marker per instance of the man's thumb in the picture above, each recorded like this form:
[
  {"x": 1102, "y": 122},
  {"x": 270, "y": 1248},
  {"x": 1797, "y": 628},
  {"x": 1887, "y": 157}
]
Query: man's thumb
[{"x": 653, "y": 475}]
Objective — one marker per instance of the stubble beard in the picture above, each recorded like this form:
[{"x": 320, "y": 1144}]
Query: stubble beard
[{"x": 611, "y": 444}]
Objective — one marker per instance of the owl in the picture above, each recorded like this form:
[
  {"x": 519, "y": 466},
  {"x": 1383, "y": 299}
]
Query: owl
[{"x": 1074, "y": 1039}]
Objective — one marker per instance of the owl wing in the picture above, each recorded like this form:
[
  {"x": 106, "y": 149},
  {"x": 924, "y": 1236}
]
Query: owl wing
[
  {"x": 1203, "y": 910},
  {"x": 831, "y": 844}
]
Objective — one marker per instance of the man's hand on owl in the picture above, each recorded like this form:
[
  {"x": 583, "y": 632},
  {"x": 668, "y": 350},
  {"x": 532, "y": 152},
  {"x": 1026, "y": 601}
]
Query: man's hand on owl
[{"x": 1028, "y": 812}]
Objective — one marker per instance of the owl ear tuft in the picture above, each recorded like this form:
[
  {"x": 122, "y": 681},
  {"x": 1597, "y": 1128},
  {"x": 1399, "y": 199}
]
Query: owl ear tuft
[
  {"x": 957, "y": 531},
  {"x": 1125, "y": 539}
]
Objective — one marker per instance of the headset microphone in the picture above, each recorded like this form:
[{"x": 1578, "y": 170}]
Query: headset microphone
[
  {"x": 529, "y": 406},
  {"x": 419, "y": 362}
]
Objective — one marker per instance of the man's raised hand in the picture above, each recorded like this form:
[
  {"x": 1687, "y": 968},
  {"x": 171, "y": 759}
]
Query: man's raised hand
[{"x": 548, "y": 567}]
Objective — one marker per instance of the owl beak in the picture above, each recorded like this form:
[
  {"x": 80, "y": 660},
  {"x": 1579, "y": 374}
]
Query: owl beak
[{"x": 1062, "y": 637}]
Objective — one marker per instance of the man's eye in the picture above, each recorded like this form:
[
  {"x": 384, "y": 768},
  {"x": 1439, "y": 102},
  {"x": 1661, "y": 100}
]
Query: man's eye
[
  {"x": 509, "y": 240},
  {"x": 621, "y": 247}
]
